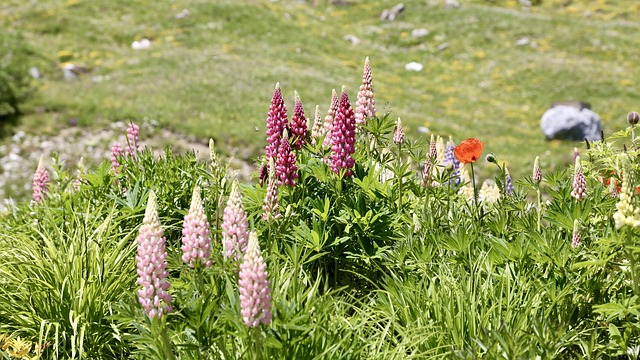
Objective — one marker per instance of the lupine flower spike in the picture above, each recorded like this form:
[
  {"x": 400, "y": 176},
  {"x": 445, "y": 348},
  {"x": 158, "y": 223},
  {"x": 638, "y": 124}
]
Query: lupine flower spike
[
  {"x": 276, "y": 122},
  {"x": 628, "y": 206},
  {"x": 579, "y": 185},
  {"x": 428, "y": 163},
  {"x": 576, "y": 239},
  {"x": 537, "y": 173},
  {"x": 489, "y": 193},
  {"x": 286, "y": 169},
  {"x": 133, "y": 139},
  {"x": 508, "y": 182},
  {"x": 78, "y": 181},
  {"x": 116, "y": 151},
  {"x": 365, "y": 104},
  {"x": 255, "y": 294},
  {"x": 215, "y": 162},
  {"x": 196, "y": 242},
  {"x": 575, "y": 154},
  {"x": 151, "y": 263},
  {"x": 270, "y": 209},
  {"x": 234, "y": 225},
  {"x": 329, "y": 119},
  {"x": 343, "y": 137},
  {"x": 40, "y": 182},
  {"x": 398, "y": 133},
  {"x": 317, "y": 129},
  {"x": 298, "y": 124}
]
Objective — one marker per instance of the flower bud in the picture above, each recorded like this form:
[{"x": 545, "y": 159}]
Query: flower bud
[
  {"x": 633, "y": 118},
  {"x": 491, "y": 158}
]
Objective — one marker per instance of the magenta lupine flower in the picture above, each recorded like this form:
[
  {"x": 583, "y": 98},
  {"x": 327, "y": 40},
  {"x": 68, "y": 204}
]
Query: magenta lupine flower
[
  {"x": 317, "y": 129},
  {"x": 270, "y": 209},
  {"x": 133, "y": 139},
  {"x": 576, "y": 239},
  {"x": 579, "y": 185},
  {"x": 286, "y": 169},
  {"x": 234, "y": 225},
  {"x": 151, "y": 263},
  {"x": 276, "y": 122},
  {"x": 196, "y": 243},
  {"x": 343, "y": 136},
  {"x": 116, "y": 151},
  {"x": 330, "y": 118},
  {"x": 398, "y": 133},
  {"x": 255, "y": 294},
  {"x": 40, "y": 182},
  {"x": 537, "y": 173},
  {"x": 298, "y": 124},
  {"x": 366, "y": 104},
  {"x": 263, "y": 173}
]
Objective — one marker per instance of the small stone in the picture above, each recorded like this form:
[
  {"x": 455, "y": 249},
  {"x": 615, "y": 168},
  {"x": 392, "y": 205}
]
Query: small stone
[
  {"x": 183, "y": 14},
  {"x": 451, "y": 4},
  {"x": 423, "y": 130},
  {"x": 352, "y": 39},
  {"x": 392, "y": 14},
  {"x": 569, "y": 121},
  {"x": 443, "y": 46},
  {"x": 414, "y": 66},
  {"x": 418, "y": 33},
  {"x": 34, "y": 72},
  {"x": 522, "y": 41},
  {"x": 141, "y": 44}
]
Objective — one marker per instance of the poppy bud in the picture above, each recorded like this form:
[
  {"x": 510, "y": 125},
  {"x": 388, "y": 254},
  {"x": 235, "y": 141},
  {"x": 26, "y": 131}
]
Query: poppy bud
[
  {"x": 633, "y": 118},
  {"x": 491, "y": 158}
]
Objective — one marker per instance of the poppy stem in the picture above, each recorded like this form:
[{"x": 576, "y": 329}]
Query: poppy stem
[{"x": 475, "y": 190}]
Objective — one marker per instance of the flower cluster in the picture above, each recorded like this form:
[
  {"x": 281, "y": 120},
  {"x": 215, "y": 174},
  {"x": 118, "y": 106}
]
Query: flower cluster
[
  {"x": 398, "y": 133},
  {"x": 317, "y": 131},
  {"x": 579, "y": 185},
  {"x": 330, "y": 118},
  {"x": 255, "y": 294},
  {"x": 489, "y": 193},
  {"x": 270, "y": 209},
  {"x": 365, "y": 104},
  {"x": 196, "y": 243},
  {"x": 116, "y": 151},
  {"x": 40, "y": 182},
  {"x": 276, "y": 122},
  {"x": 133, "y": 139},
  {"x": 234, "y": 225},
  {"x": 286, "y": 169},
  {"x": 628, "y": 206},
  {"x": 298, "y": 124},
  {"x": 343, "y": 137}
]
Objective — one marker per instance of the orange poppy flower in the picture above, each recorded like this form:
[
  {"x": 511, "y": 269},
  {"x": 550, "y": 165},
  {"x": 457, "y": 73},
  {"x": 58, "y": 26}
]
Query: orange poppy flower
[{"x": 469, "y": 150}]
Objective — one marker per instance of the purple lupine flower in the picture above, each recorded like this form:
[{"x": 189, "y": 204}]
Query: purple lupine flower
[
  {"x": 452, "y": 162},
  {"x": 116, "y": 151},
  {"x": 576, "y": 239},
  {"x": 133, "y": 139},
  {"x": 508, "y": 182},
  {"x": 366, "y": 104},
  {"x": 298, "y": 125},
  {"x": 330, "y": 118},
  {"x": 40, "y": 182},
  {"x": 579, "y": 185},
  {"x": 151, "y": 263},
  {"x": 428, "y": 163},
  {"x": 276, "y": 122},
  {"x": 255, "y": 294},
  {"x": 343, "y": 137},
  {"x": 286, "y": 169},
  {"x": 537, "y": 173},
  {"x": 196, "y": 243},
  {"x": 575, "y": 154},
  {"x": 398, "y": 133},
  {"x": 317, "y": 129},
  {"x": 270, "y": 209},
  {"x": 234, "y": 225}
]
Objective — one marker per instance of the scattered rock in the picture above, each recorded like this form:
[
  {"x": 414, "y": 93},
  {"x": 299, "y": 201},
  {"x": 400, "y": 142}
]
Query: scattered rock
[
  {"x": 71, "y": 71},
  {"x": 522, "y": 41},
  {"x": 423, "y": 130},
  {"x": 414, "y": 66},
  {"x": 451, "y": 4},
  {"x": 352, "y": 39},
  {"x": 443, "y": 46},
  {"x": 34, "y": 72},
  {"x": 418, "y": 33},
  {"x": 392, "y": 14},
  {"x": 183, "y": 14},
  {"x": 141, "y": 44},
  {"x": 571, "y": 120}
]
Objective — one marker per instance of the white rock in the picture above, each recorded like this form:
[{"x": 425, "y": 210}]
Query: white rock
[
  {"x": 352, "y": 39},
  {"x": 423, "y": 130},
  {"x": 414, "y": 66},
  {"x": 183, "y": 14},
  {"x": 34, "y": 72},
  {"x": 418, "y": 33},
  {"x": 141, "y": 44},
  {"x": 522, "y": 41}
]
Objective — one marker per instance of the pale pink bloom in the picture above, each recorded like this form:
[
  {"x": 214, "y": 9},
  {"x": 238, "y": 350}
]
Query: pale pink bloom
[
  {"x": 579, "y": 185},
  {"x": 40, "y": 182},
  {"x": 116, "y": 151},
  {"x": 365, "y": 104},
  {"x": 317, "y": 131},
  {"x": 330, "y": 118},
  {"x": 253, "y": 285},
  {"x": 234, "y": 225},
  {"x": 196, "y": 240},
  {"x": 398, "y": 133},
  {"x": 133, "y": 139}
]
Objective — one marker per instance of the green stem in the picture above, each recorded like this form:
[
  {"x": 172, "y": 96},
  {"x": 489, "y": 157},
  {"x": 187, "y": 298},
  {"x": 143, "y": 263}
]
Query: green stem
[
  {"x": 399, "y": 163},
  {"x": 539, "y": 206},
  {"x": 632, "y": 260},
  {"x": 475, "y": 190},
  {"x": 257, "y": 344}
]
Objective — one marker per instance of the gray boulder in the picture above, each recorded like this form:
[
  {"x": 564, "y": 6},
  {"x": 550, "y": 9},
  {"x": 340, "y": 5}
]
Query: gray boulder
[{"x": 571, "y": 121}]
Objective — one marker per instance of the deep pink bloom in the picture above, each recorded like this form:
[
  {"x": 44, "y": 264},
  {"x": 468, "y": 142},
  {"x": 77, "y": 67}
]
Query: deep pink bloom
[
  {"x": 276, "y": 122},
  {"x": 40, "y": 182},
  {"x": 133, "y": 139},
  {"x": 196, "y": 243},
  {"x": 343, "y": 137},
  {"x": 255, "y": 294},
  {"x": 330, "y": 118},
  {"x": 116, "y": 151},
  {"x": 298, "y": 124},
  {"x": 366, "y": 104},
  {"x": 151, "y": 263},
  {"x": 286, "y": 169},
  {"x": 234, "y": 225},
  {"x": 579, "y": 185},
  {"x": 270, "y": 209}
]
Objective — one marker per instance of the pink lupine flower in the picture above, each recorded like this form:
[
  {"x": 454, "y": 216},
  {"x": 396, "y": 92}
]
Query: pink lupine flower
[
  {"x": 576, "y": 239},
  {"x": 151, "y": 263},
  {"x": 40, "y": 182},
  {"x": 276, "y": 122},
  {"x": 579, "y": 185},
  {"x": 255, "y": 294},
  {"x": 286, "y": 169},
  {"x": 298, "y": 124},
  {"x": 116, "y": 151},
  {"x": 317, "y": 129},
  {"x": 263, "y": 173},
  {"x": 537, "y": 173},
  {"x": 196, "y": 243},
  {"x": 398, "y": 133},
  {"x": 270, "y": 209},
  {"x": 343, "y": 137},
  {"x": 330, "y": 118},
  {"x": 428, "y": 163},
  {"x": 234, "y": 225},
  {"x": 366, "y": 104},
  {"x": 79, "y": 181},
  {"x": 133, "y": 139}
]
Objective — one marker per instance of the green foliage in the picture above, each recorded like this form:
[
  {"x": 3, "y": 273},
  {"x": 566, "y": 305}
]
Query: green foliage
[{"x": 15, "y": 82}]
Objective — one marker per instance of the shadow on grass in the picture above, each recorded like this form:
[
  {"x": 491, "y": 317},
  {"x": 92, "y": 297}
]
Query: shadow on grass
[{"x": 8, "y": 122}]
